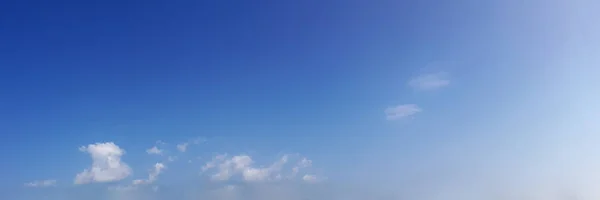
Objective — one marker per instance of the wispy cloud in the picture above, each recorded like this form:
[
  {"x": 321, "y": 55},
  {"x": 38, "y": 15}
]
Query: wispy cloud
[
  {"x": 184, "y": 146},
  {"x": 430, "y": 81},
  {"x": 41, "y": 183},
  {"x": 171, "y": 158},
  {"x": 401, "y": 111},
  {"x": 153, "y": 175}
]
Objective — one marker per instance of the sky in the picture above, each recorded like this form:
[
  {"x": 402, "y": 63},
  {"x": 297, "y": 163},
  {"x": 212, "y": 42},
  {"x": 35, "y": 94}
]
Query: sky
[{"x": 299, "y": 100}]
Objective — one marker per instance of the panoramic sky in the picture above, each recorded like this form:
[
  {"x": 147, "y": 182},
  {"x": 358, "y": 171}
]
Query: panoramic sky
[{"x": 302, "y": 99}]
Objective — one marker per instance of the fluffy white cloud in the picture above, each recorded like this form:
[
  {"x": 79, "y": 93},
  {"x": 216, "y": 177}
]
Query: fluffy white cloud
[
  {"x": 41, "y": 183},
  {"x": 236, "y": 164},
  {"x": 401, "y": 111},
  {"x": 430, "y": 81},
  {"x": 154, "y": 150},
  {"x": 106, "y": 164},
  {"x": 153, "y": 175}
]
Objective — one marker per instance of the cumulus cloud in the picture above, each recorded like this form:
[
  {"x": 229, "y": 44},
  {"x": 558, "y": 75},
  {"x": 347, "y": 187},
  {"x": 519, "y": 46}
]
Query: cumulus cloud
[
  {"x": 106, "y": 164},
  {"x": 243, "y": 166},
  {"x": 401, "y": 111},
  {"x": 153, "y": 175},
  {"x": 154, "y": 150},
  {"x": 430, "y": 81},
  {"x": 41, "y": 183}
]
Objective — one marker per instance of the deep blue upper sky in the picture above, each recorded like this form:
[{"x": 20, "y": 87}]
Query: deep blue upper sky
[
  {"x": 76, "y": 72},
  {"x": 313, "y": 77}
]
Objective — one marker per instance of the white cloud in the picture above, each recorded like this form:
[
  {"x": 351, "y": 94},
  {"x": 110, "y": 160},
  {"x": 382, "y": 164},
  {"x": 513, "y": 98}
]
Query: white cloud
[
  {"x": 182, "y": 147},
  {"x": 41, "y": 183},
  {"x": 152, "y": 176},
  {"x": 211, "y": 164},
  {"x": 154, "y": 150},
  {"x": 309, "y": 178},
  {"x": 401, "y": 111},
  {"x": 236, "y": 164},
  {"x": 430, "y": 81},
  {"x": 158, "y": 168},
  {"x": 304, "y": 163},
  {"x": 106, "y": 164},
  {"x": 242, "y": 165},
  {"x": 139, "y": 181}
]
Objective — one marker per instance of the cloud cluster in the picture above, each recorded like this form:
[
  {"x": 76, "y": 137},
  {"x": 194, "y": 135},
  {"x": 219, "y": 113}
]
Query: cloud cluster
[
  {"x": 106, "y": 164},
  {"x": 242, "y": 177},
  {"x": 227, "y": 177},
  {"x": 243, "y": 166}
]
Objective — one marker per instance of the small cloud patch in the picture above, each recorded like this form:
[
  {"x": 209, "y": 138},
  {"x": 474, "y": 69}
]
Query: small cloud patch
[
  {"x": 401, "y": 111},
  {"x": 41, "y": 183}
]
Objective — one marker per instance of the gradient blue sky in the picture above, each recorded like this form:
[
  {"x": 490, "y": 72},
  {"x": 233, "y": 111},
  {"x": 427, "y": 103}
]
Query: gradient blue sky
[{"x": 482, "y": 90}]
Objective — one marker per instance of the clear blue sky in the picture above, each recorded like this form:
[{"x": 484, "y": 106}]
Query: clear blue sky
[{"x": 386, "y": 93}]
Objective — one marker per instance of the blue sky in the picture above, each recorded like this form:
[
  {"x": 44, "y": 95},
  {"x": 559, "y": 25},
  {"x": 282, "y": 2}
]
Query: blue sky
[{"x": 397, "y": 98}]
